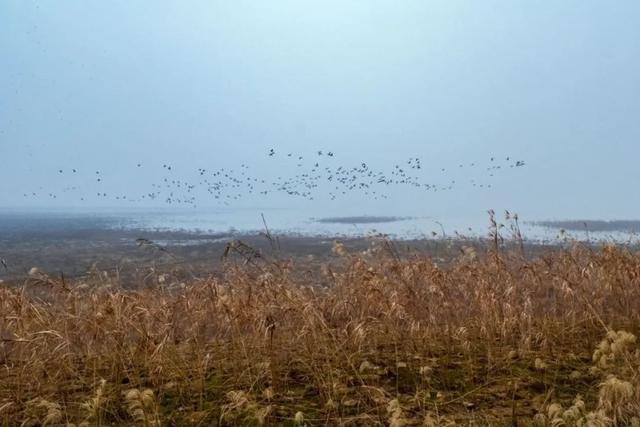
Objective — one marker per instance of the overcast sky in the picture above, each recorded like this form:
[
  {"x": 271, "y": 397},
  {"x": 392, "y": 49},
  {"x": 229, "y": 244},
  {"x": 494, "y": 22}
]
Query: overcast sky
[{"x": 104, "y": 85}]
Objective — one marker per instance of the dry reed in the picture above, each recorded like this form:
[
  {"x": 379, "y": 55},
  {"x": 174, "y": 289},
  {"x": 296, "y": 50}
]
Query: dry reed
[{"x": 373, "y": 339}]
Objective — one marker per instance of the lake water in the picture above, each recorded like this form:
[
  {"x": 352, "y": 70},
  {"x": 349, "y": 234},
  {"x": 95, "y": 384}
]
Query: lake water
[{"x": 289, "y": 221}]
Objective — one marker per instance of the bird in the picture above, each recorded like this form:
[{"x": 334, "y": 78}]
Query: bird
[
  {"x": 310, "y": 179},
  {"x": 4, "y": 263}
]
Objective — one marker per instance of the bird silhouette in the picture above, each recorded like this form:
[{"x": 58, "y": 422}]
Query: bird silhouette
[{"x": 310, "y": 180}]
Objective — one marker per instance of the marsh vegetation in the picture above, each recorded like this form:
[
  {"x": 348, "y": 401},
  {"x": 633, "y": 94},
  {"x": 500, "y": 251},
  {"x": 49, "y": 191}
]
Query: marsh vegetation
[{"x": 370, "y": 337}]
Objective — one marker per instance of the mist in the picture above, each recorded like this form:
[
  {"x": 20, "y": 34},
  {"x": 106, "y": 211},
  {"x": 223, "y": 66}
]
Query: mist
[{"x": 105, "y": 86}]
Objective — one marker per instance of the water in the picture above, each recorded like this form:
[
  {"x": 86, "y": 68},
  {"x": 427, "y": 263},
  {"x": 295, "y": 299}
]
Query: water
[{"x": 281, "y": 221}]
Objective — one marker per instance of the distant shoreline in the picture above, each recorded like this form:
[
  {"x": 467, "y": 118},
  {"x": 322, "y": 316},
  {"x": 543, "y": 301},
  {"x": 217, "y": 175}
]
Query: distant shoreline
[
  {"x": 362, "y": 219},
  {"x": 626, "y": 226}
]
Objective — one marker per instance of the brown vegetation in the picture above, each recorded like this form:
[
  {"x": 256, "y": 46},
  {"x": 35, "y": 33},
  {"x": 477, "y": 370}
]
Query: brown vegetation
[{"x": 373, "y": 339}]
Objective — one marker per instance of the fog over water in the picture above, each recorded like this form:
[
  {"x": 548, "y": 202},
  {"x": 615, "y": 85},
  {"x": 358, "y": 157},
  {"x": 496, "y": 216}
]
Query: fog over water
[
  {"x": 20, "y": 224},
  {"x": 100, "y": 99}
]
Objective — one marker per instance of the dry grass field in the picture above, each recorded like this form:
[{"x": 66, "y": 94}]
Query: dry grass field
[{"x": 369, "y": 338}]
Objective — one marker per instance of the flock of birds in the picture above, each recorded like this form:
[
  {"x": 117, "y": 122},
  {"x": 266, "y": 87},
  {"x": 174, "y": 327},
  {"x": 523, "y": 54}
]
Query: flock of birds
[{"x": 313, "y": 177}]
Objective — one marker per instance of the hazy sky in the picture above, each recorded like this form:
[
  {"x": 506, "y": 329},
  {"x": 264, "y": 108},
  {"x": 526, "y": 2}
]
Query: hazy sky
[{"x": 103, "y": 85}]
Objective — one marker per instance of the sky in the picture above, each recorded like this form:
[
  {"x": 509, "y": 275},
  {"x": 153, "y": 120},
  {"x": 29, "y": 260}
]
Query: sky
[{"x": 103, "y": 86}]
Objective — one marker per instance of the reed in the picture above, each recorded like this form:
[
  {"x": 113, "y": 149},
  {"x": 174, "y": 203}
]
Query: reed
[{"x": 371, "y": 338}]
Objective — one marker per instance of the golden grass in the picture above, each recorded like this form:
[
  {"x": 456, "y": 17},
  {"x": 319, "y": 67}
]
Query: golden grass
[{"x": 374, "y": 339}]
